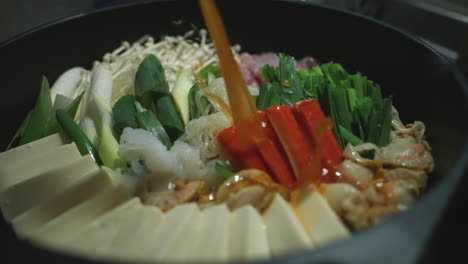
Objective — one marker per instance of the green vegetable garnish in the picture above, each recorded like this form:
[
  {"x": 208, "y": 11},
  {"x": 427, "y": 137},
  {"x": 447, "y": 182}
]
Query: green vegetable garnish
[
  {"x": 124, "y": 111},
  {"x": 74, "y": 132},
  {"x": 209, "y": 69},
  {"x": 225, "y": 172},
  {"x": 349, "y": 136},
  {"x": 270, "y": 74},
  {"x": 21, "y": 130},
  {"x": 147, "y": 121},
  {"x": 150, "y": 78},
  {"x": 150, "y": 82},
  {"x": 169, "y": 117},
  {"x": 270, "y": 94},
  {"x": 41, "y": 122},
  {"x": 197, "y": 107},
  {"x": 293, "y": 90},
  {"x": 355, "y": 104}
]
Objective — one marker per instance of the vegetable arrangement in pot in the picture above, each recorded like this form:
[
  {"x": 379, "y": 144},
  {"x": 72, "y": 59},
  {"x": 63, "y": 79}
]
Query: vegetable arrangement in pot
[{"x": 143, "y": 156}]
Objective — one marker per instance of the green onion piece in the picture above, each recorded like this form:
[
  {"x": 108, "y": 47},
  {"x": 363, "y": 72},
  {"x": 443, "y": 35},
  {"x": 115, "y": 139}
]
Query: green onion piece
[
  {"x": 317, "y": 79},
  {"x": 270, "y": 94},
  {"x": 150, "y": 79},
  {"x": 210, "y": 68},
  {"x": 41, "y": 123},
  {"x": 352, "y": 98},
  {"x": 124, "y": 111},
  {"x": 293, "y": 90},
  {"x": 72, "y": 107},
  {"x": 148, "y": 121},
  {"x": 310, "y": 89},
  {"x": 364, "y": 108},
  {"x": 357, "y": 125},
  {"x": 21, "y": 130},
  {"x": 340, "y": 98},
  {"x": 357, "y": 83},
  {"x": 82, "y": 142},
  {"x": 374, "y": 126},
  {"x": 225, "y": 172},
  {"x": 197, "y": 107},
  {"x": 169, "y": 117},
  {"x": 262, "y": 99},
  {"x": 349, "y": 136},
  {"x": 270, "y": 74},
  {"x": 193, "y": 110},
  {"x": 108, "y": 149},
  {"x": 327, "y": 100},
  {"x": 303, "y": 73},
  {"x": 386, "y": 122}
]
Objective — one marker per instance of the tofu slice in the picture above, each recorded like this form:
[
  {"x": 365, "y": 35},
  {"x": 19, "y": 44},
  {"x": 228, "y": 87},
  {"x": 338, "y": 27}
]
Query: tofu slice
[
  {"x": 247, "y": 238},
  {"x": 72, "y": 221},
  {"x": 171, "y": 231},
  {"x": 24, "y": 169},
  {"x": 319, "y": 220},
  {"x": 32, "y": 149},
  {"x": 131, "y": 225},
  {"x": 25, "y": 195},
  {"x": 130, "y": 248},
  {"x": 284, "y": 231},
  {"x": 96, "y": 238},
  {"x": 87, "y": 187},
  {"x": 214, "y": 242},
  {"x": 183, "y": 249}
]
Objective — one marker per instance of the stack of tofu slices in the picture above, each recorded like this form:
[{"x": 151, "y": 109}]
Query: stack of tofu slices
[{"x": 56, "y": 198}]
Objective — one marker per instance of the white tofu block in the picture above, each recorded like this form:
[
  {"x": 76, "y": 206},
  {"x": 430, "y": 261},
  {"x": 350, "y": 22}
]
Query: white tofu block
[
  {"x": 320, "y": 221},
  {"x": 32, "y": 149},
  {"x": 214, "y": 242},
  {"x": 22, "y": 196},
  {"x": 130, "y": 227},
  {"x": 284, "y": 231},
  {"x": 96, "y": 238},
  {"x": 72, "y": 221},
  {"x": 17, "y": 172},
  {"x": 85, "y": 188},
  {"x": 131, "y": 248},
  {"x": 171, "y": 231},
  {"x": 183, "y": 248},
  {"x": 248, "y": 239}
]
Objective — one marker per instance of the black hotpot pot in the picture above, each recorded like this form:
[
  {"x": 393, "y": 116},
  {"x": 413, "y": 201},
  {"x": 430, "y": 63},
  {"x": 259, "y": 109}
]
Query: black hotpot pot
[{"x": 425, "y": 87}]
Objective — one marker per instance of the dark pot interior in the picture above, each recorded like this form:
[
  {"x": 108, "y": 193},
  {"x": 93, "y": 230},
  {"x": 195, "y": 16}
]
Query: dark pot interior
[{"x": 424, "y": 85}]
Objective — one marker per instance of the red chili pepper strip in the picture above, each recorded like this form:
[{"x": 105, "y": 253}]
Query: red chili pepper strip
[
  {"x": 273, "y": 154},
  {"x": 309, "y": 114},
  {"x": 242, "y": 157},
  {"x": 296, "y": 145}
]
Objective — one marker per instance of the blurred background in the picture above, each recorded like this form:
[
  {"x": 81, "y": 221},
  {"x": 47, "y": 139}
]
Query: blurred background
[{"x": 441, "y": 23}]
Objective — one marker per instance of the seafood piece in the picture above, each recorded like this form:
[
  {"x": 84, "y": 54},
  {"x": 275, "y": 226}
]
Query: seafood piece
[
  {"x": 347, "y": 202},
  {"x": 407, "y": 152},
  {"x": 355, "y": 173},
  {"x": 251, "y": 186},
  {"x": 183, "y": 192}
]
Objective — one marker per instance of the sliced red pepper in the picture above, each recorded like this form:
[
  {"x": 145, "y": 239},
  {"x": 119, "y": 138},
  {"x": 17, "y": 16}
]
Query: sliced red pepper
[
  {"x": 240, "y": 155},
  {"x": 273, "y": 154},
  {"x": 309, "y": 114},
  {"x": 297, "y": 146}
]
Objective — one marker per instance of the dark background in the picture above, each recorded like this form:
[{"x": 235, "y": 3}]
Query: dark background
[{"x": 443, "y": 24}]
